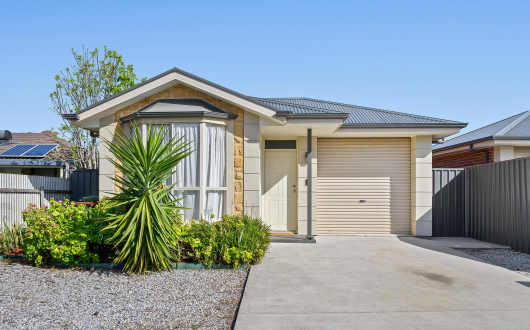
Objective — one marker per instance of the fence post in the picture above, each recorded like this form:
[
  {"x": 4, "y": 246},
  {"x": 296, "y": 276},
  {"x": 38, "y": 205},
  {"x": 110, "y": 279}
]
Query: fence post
[
  {"x": 466, "y": 203},
  {"x": 41, "y": 197}
]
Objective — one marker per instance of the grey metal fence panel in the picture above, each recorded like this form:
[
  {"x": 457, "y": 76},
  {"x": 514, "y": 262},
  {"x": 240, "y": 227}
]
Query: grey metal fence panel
[
  {"x": 84, "y": 183},
  {"x": 18, "y": 191},
  {"x": 498, "y": 203},
  {"x": 12, "y": 205},
  {"x": 448, "y": 200}
]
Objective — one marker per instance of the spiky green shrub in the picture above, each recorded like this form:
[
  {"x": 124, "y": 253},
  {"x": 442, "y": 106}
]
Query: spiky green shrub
[
  {"x": 65, "y": 232},
  {"x": 11, "y": 238},
  {"x": 145, "y": 228},
  {"x": 235, "y": 240}
]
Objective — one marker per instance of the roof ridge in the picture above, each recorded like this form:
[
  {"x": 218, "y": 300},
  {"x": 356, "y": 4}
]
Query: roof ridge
[
  {"x": 298, "y": 105},
  {"x": 441, "y": 146},
  {"x": 376, "y": 109},
  {"x": 505, "y": 129}
]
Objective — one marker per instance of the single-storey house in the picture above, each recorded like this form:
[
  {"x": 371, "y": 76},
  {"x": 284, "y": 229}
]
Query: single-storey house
[
  {"x": 504, "y": 140},
  {"x": 42, "y": 154},
  {"x": 297, "y": 163}
]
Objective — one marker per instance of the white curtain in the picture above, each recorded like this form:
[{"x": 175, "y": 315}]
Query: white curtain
[
  {"x": 215, "y": 202},
  {"x": 190, "y": 202},
  {"x": 167, "y": 136},
  {"x": 188, "y": 169},
  {"x": 215, "y": 155}
]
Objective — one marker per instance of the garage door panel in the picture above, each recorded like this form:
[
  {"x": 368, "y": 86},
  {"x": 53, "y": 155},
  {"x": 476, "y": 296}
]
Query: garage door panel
[{"x": 374, "y": 170}]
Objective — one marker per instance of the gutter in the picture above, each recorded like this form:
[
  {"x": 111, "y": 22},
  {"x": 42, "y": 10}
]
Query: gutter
[
  {"x": 407, "y": 125},
  {"x": 177, "y": 114},
  {"x": 28, "y": 162},
  {"x": 70, "y": 116},
  {"x": 291, "y": 115},
  {"x": 481, "y": 140}
]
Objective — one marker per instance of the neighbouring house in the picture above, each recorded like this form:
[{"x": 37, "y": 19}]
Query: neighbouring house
[
  {"x": 504, "y": 140},
  {"x": 41, "y": 154},
  {"x": 298, "y": 163}
]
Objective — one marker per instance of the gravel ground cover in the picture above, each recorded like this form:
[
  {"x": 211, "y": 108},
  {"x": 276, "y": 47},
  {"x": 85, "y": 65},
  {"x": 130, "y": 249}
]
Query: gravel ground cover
[
  {"x": 46, "y": 298},
  {"x": 510, "y": 259}
]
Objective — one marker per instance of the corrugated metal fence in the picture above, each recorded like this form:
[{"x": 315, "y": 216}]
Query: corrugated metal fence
[
  {"x": 498, "y": 203},
  {"x": 448, "y": 200},
  {"x": 84, "y": 183},
  {"x": 17, "y": 191},
  {"x": 488, "y": 202}
]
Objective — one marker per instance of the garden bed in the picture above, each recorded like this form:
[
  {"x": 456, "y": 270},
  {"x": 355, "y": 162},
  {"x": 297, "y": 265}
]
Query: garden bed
[
  {"x": 510, "y": 259},
  {"x": 111, "y": 299}
]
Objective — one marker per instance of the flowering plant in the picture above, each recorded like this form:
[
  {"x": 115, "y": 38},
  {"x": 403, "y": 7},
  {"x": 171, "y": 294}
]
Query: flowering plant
[{"x": 65, "y": 232}]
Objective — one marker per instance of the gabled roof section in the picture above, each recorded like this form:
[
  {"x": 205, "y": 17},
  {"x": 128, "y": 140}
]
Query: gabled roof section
[
  {"x": 180, "y": 108},
  {"x": 358, "y": 116},
  {"x": 513, "y": 128},
  {"x": 180, "y": 76}
]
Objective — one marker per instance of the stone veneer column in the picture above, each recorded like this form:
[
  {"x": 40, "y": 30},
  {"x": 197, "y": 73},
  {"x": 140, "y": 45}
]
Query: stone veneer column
[
  {"x": 421, "y": 185},
  {"x": 302, "y": 188},
  {"x": 238, "y": 162},
  {"x": 252, "y": 166}
]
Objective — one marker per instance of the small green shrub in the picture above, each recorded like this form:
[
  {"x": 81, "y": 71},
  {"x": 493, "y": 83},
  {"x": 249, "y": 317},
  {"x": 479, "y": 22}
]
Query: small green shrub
[
  {"x": 234, "y": 240},
  {"x": 66, "y": 232},
  {"x": 11, "y": 238}
]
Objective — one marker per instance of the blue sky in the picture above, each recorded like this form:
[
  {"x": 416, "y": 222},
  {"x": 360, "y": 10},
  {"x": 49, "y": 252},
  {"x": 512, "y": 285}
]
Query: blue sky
[{"x": 458, "y": 60}]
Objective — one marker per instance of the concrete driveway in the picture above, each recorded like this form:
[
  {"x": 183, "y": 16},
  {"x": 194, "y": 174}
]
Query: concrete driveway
[{"x": 381, "y": 283}]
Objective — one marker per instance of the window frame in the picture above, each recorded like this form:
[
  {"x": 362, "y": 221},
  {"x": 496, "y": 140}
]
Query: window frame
[{"x": 203, "y": 189}]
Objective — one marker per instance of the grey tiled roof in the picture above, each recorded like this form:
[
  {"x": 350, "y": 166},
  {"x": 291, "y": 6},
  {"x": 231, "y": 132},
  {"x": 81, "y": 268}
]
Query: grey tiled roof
[
  {"x": 353, "y": 115},
  {"x": 515, "y": 127},
  {"x": 357, "y": 115}
]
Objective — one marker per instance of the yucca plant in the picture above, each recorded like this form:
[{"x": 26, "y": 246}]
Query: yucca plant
[
  {"x": 146, "y": 224},
  {"x": 11, "y": 238}
]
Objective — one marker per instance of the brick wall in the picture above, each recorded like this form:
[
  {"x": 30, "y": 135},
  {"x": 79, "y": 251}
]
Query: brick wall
[
  {"x": 180, "y": 92},
  {"x": 461, "y": 159}
]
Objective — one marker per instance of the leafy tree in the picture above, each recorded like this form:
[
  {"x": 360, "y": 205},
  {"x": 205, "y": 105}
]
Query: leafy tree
[{"x": 87, "y": 81}]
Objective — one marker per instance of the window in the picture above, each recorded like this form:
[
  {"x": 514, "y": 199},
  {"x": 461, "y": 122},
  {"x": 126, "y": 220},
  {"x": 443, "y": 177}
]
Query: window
[{"x": 201, "y": 177}]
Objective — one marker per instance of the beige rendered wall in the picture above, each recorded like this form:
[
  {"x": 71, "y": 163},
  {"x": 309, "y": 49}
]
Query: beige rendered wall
[
  {"x": 252, "y": 166},
  {"x": 108, "y": 125},
  {"x": 421, "y": 185},
  {"x": 106, "y": 169},
  {"x": 302, "y": 188},
  {"x": 501, "y": 153}
]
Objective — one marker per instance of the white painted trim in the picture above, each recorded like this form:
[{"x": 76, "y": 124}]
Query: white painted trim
[
  {"x": 176, "y": 120},
  {"x": 202, "y": 170}
]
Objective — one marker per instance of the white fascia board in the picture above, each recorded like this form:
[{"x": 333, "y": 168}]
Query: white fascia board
[
  {"x": 163, "y": 83},
  {"x": 436, "y": 133},
  {"x": 492, "y": 143}
]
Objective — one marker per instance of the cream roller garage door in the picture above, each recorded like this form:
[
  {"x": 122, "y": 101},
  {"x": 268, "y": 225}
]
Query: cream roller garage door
[{"x": 363, "y": 186}]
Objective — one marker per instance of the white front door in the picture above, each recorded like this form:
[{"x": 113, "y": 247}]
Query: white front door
[{"x": 280, "y": 189}]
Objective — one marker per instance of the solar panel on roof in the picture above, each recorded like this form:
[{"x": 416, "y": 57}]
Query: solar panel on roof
[
  {"x": 18, "y": 150},
  {"x": 40, "y": 150}
]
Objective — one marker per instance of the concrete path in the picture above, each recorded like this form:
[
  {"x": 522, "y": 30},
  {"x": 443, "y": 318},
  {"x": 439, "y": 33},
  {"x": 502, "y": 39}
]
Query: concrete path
[{"x": 381, "y": 283}]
